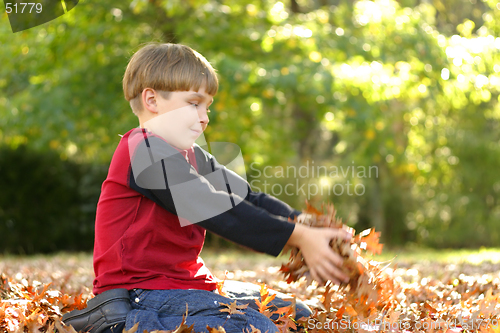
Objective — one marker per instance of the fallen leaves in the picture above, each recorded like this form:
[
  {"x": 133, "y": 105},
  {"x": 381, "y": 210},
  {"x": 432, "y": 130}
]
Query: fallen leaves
[
  {"x": 285, "y": 315},
  {"x": 34, "y": 308},
  {"x": 265, "y": 299},
  {"x": 377, "y": 299},
  {"x": 374, "y": 301},
  {"x": 368, "y": 288},
  {"x": 369, "y": 240},
  {"x": 233, "y": 308}
]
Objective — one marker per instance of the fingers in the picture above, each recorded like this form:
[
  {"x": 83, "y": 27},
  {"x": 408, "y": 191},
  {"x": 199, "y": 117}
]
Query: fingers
[
  {"x": 335, "y": 273},
  {"x": 332, "y": 271},
  {"x": 333, "y": 258},
  {"x": 326, "y": 265},
  {"x": 323, "y": 262},
  {"x": 329, "y": 267},
  {"x": 339, "y": 233},
  {"x": 322, "y": 274},
  {"x": 315, "y": 276}
]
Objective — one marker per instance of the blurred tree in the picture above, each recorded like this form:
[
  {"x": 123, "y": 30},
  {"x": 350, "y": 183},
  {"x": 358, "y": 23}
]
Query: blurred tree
[
  {"x": 338, "y": 84},
  {"x": 46, "y": 204}
]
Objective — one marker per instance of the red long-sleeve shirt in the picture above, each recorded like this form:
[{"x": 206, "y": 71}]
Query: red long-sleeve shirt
[{"x": 139, "y": 240}]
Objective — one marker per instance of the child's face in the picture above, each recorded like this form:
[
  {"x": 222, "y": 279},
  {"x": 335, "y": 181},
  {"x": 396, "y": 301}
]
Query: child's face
[{"x": 182, "y": 118}]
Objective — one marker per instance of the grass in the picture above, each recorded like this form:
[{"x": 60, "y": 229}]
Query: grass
[
  {"x": 72, "y": 273},
  {"x": 247, "y": 259},
  {"x": 74, "y": 270},
  {"x": 406, "y": 255},
  {"x": 429, "y": 261},
  {"x": 460, "y": 256}
]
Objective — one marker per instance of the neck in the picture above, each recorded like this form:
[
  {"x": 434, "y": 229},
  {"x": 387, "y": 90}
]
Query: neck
[{"x": 143, "y": 119}]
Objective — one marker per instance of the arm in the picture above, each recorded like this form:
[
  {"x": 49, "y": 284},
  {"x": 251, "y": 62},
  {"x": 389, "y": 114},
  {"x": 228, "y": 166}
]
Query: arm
[
  {"x": 160, "y": 173},
  {"x": 259, "y": 199},
  {"x": 314, "y": 243}
]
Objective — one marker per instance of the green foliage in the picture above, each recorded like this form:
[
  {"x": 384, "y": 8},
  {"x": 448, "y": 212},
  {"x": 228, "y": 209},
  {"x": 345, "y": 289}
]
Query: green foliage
[
  {"x": 50, "y": 203},
  {"x": 410, "y": 88}
]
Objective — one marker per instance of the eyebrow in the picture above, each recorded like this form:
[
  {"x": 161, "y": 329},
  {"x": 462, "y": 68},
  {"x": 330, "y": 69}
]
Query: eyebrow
[{"x": 200, "y": 96}]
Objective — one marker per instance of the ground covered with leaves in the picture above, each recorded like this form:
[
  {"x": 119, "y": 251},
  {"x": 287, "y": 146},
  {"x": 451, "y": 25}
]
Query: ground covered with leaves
[{"x": 396, "y": 295}]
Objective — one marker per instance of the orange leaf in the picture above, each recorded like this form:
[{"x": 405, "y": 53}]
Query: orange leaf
[
  {"x": 287, "y": 323},
  {"x": 183, "y": 327},
  {"x": 430, "y": 308},
  {"x": 340, "y": 312},
  {"x": 220, "y": 329},
  {"x": 254, "y": 330},
  {"x": 283, "y": 310},
  {"x": 264, "y": 291},
  {"x": 372, "y": 242},
  {"x": 220, "y": 285},
  {"x": 311, "y": 210},
  {"x": 133, "y": 329},
  {"x": 350, "y": 311}
]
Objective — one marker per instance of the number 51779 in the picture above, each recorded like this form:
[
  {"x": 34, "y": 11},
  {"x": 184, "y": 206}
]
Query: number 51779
[{"x": 20, "y": 7}]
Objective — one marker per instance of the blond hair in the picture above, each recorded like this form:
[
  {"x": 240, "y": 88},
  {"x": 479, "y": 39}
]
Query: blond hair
[{"x": 166, "y": 68}]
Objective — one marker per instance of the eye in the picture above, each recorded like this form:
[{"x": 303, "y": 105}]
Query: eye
[{"x": 194, "y": 104}]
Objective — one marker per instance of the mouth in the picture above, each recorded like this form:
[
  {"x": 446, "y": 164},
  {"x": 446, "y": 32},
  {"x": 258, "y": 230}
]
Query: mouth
[{"x": 197, "y": 132}]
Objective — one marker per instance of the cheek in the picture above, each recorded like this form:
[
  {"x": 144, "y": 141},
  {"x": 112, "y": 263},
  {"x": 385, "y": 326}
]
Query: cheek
[
  {"x": 185, "y": 116},
  {"x": 189, "y": 116}
]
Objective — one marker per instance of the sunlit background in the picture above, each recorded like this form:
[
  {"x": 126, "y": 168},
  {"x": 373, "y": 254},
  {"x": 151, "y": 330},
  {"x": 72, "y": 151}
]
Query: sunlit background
[{"x": 408, "y": 88}]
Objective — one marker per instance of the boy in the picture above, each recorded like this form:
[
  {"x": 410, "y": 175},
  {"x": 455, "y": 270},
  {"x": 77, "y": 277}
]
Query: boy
[{"x": 163, "y": 192}]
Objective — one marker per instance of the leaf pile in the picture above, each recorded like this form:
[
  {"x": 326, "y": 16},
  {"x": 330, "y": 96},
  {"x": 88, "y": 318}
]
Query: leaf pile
[
  {"x": 26, "y": 307},
  {"x": 373, "y": 301},
  {"x": 376, "y": 299},
  {"x": 285, "y": 320},
  {"x": 32, "y": 307},
  {"x": 369, "y": 289}
]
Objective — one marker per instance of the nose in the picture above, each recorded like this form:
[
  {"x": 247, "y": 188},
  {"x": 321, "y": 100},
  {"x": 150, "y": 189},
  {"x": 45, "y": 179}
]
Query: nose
[{"x": 203, "y": 116}]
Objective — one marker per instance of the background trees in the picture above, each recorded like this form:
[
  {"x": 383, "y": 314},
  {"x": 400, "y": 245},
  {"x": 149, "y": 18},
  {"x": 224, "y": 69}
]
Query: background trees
[{"x": 408, "y": 87}]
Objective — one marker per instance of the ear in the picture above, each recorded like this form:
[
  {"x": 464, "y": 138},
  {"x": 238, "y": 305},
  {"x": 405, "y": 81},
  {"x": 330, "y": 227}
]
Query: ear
[{"x": 149, "y": 100}]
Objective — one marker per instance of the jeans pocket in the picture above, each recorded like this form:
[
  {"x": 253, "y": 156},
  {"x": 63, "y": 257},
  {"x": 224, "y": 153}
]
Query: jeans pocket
[
  {"x": 138, "y": 292},
  {"x": 137, "y": 297}
]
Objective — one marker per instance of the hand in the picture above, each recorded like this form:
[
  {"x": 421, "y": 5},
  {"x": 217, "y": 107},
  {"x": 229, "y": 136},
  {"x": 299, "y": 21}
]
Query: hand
[{"x": 324, "y": 264}]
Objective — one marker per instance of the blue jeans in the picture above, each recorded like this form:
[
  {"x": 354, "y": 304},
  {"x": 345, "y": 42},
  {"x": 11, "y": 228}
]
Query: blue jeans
[{"x": 163, "y": 309}]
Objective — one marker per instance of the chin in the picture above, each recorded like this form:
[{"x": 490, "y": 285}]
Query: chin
[{"x": 185, "y": 146}]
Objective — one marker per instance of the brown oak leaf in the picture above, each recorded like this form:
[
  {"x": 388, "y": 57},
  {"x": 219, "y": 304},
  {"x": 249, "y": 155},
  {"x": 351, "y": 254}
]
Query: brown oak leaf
[{"x": 233, "y": 308}]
